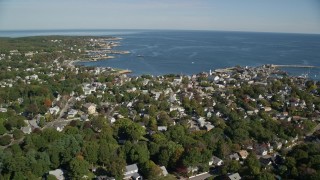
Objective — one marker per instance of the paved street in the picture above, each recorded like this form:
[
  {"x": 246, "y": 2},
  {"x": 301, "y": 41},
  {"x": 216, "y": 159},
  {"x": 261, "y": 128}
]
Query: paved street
[
  {"x": 69, "y": 103},
  {"x": 201, "y": 177}
]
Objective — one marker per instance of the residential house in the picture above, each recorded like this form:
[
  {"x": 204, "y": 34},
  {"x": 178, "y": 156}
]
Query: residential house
[
  {"x": 173, "y": 98},
  {"x": 34, "y": 77},
  {"x": 234, "y": 156},
  {"x": 112, "y": 120},
  {"x": 277, "y": 145},
  {"x": 162, "y": 128},
  {"x": 54, "y": 110},
  {"x": 33, "y": 123},
  {"x": 201, "y": 121},
  {"x": 88, "y": 89},
  {"x": 164, "y": 171},
  {"x": 72, "y": 113},
  {"x": 234, "y": 176},
  {"x": 215, "y": 161},
  {"x": 60, "y": 127},
  {"x": 267, "y": 109},
  {"x": 209, "y": 114},
  {"x": 84, "y": 117},
  {"x": 28, "y": 54},
  {"x": 131, "y": 172},
  {"x": 58, "y": 173},
  {"x": 193, "y": 169},
  {"x": 3, "y": 110},
  {"x": 177, "y": 80},
  {"x": 265, "y": 161},
  {"x": 27, "y": 129},
  {"x": 208, "y": 126},
  {"x": 177, "y": 108},
  {"x": 261, "y": 150},
  {"x": 105, "y": 178},
  {"x": 89, "y": 108},
  {"x": 243, "y": 154}
]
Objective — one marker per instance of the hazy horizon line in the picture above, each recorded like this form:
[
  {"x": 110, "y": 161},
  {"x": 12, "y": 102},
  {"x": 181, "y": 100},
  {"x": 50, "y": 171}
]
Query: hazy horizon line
[{"x": 164, "y": 29}]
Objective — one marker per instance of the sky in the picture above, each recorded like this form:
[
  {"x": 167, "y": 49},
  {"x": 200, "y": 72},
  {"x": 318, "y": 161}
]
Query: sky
[{"x": 297, "y": 16}]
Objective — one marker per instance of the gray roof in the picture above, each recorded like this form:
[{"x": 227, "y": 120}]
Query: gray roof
[
  {"x": 58, "y": 173},
  {"x": 215, "y": 159},
  {"x": 162, "y": 128},
  {"x": 132, "y": 167},
  {"x": 234, "y": 156},
  {"x": 235, "y": 176},
  {"x": 87, "y": 105},
  {"x": 135, "y": 175}
]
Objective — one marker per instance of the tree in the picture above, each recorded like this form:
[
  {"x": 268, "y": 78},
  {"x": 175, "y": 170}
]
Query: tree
[
  {"x": 253, "y": 164},
  {"x": 5, "y": 140},
  {"x": 266, "y": 176},
  {"x": 107, "y": 152},
  {"x": 2, "y": 127},
  {"x": 150, "y": 170},
  {"x": 164, "y": 157},
  {"x": 47, "y": 102},
  {"x": 51, "y": 177},
  {"x": 90, "y": 151},
  {"x": 98, "y": 123},
  {"x": 192, "y": 157},
  {"x": 164, "y": 118},
  {"x": 17, "y": 134},
  {"x": 139, "y": 153},
  {"x": 129, "y": 130},
  {"x": 78, "y": 167},
  {"x": 18, "y": 176},
  {"x": 116, "y": 167}
]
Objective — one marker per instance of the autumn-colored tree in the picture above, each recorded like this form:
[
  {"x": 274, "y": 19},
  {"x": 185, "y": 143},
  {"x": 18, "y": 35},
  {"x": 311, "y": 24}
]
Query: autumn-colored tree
[{"x": 47, "y": 102}]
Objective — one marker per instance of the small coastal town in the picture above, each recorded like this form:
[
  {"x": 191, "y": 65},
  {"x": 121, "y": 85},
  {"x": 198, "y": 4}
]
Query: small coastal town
[{"x": 59, "y": 120}]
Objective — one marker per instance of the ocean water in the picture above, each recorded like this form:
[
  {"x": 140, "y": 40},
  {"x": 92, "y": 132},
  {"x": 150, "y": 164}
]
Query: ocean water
[{"x": 190, "y": 52}]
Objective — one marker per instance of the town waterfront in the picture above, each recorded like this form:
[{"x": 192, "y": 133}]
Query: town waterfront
[{"x": 189, "y": 52}]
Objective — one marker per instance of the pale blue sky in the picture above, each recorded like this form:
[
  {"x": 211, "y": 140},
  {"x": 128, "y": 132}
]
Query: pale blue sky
[{"x": 302, "y": 16}]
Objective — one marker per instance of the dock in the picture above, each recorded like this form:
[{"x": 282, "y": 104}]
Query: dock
[
  {"x": 293, "y": 66},
  {"x": 125, "y": 71}
]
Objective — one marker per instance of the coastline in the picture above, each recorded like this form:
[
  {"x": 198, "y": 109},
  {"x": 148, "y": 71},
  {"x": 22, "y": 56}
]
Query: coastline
[{"x": 73, "y": 64}]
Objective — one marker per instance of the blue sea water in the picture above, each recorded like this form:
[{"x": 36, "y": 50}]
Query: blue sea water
[{"x": 190, "y": 52}]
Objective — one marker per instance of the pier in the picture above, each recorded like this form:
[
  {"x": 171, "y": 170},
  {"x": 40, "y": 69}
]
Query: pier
[
  {"x": 293, "y": 66},
  {"x": 125, "y": 71}
]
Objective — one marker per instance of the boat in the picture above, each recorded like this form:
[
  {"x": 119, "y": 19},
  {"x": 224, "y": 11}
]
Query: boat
[{"x": 139, "y": 55}]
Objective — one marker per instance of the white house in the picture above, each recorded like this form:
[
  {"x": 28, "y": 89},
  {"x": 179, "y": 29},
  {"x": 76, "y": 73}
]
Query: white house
[
  {"x": 201, "y": 121},
  {"x": 72, "y": 113},
  {"x": 234, "y": 156},
  {"x": 131, "y": 172},
  {"x": 164, "y": 171},
  {"x": 34, "y": 77},
  {"x": 215, "y": 161},
  {"x": 54, "y": 110},
  {"x": 3, "y": 109},
  {"x": 58, "y": 173},
  {"x": 162, "y": 128}
]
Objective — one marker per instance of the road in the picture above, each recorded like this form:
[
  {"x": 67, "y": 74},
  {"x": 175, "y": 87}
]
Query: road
[
  {"x": 201, "y": 177},
  {"x": 69, "y": 103},
  {"x": 314, "y": 130},
  {"x": 61, "y": 121}
]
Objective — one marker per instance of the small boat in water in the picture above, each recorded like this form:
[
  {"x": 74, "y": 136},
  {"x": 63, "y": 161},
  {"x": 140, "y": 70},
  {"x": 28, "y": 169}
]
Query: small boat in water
[{"x": 139, "y": 55}]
